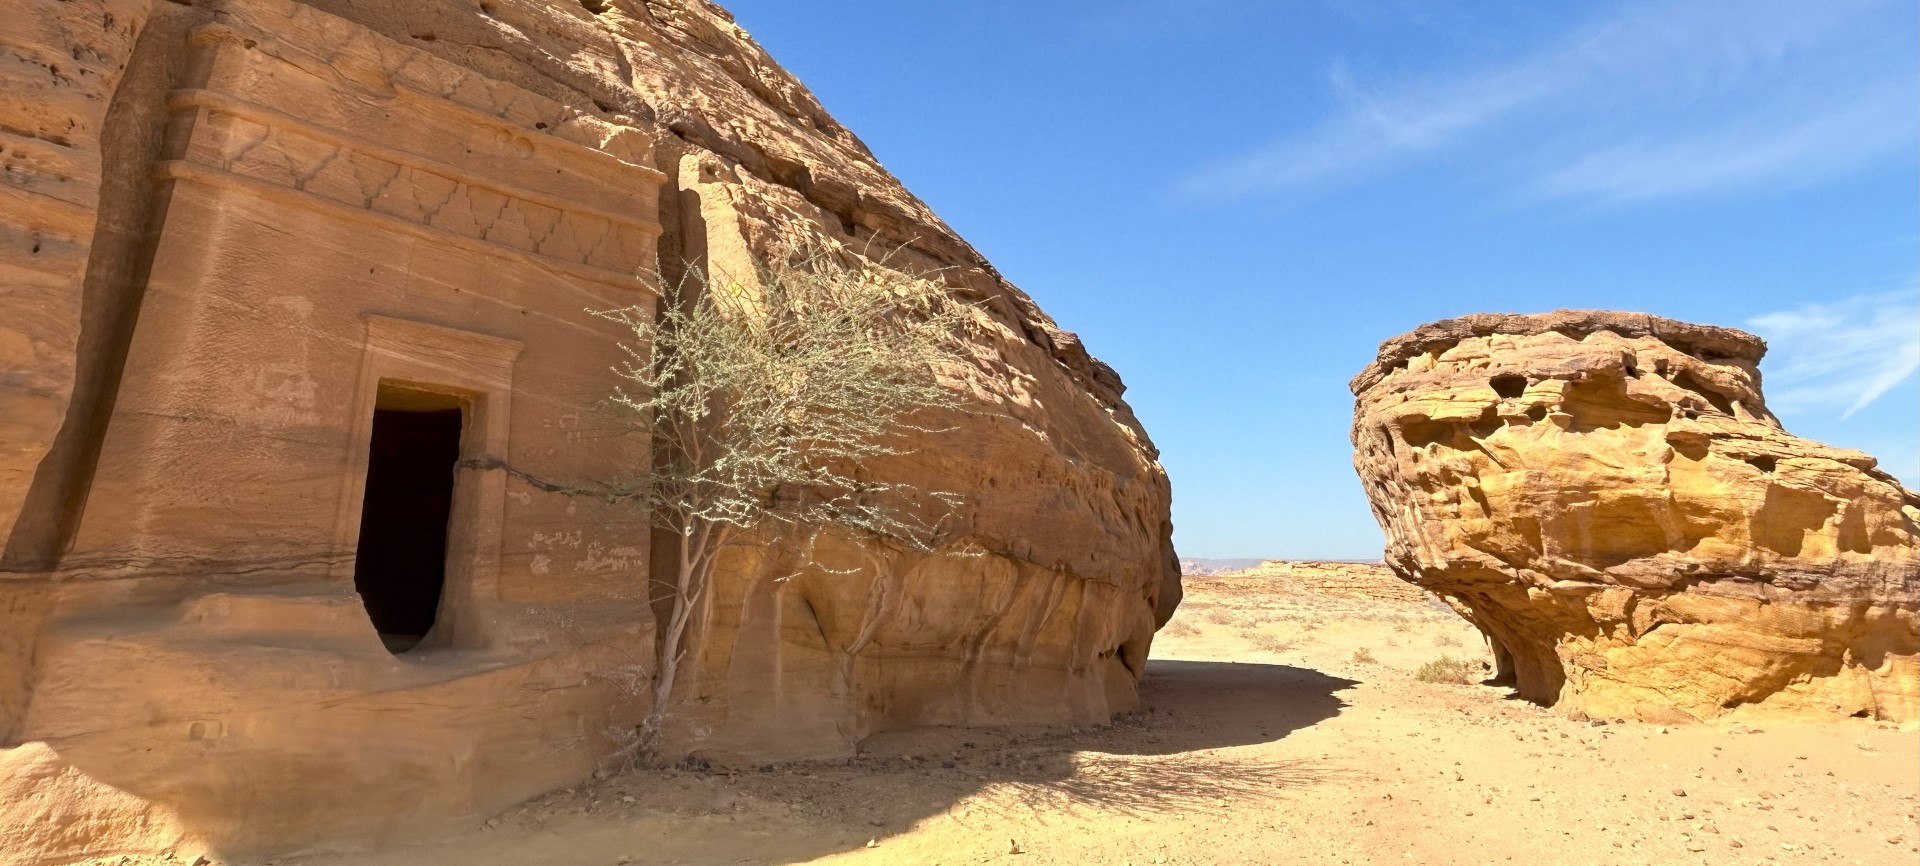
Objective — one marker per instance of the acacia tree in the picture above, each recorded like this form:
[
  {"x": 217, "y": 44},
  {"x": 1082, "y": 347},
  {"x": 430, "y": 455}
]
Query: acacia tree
[{"x": 766, "y": 403}]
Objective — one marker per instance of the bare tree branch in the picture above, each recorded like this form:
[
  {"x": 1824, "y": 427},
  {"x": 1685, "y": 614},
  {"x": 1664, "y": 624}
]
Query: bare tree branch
[{"x": 766, "y": 406}]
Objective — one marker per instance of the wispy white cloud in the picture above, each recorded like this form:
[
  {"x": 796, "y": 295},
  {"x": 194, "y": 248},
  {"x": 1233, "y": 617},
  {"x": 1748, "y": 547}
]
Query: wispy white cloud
[
  {"x": 1654, "y": 99},
  {"x": 1779, "y": 151},
  {"x": 1842, "y": 355}
]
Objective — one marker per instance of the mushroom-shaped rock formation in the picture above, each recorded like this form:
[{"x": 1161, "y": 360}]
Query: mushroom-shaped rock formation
[{"x": 1606, "y": 496}]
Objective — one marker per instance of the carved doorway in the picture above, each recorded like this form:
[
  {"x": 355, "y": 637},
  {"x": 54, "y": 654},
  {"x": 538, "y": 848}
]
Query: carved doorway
[{"x": 400, "y": 567}]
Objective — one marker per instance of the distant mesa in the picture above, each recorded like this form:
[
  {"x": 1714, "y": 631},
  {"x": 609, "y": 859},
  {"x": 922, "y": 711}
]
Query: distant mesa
[{"x": 1606, "y": 496}]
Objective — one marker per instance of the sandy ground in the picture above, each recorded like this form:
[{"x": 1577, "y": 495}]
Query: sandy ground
[{"x": 1267, "y": 736}]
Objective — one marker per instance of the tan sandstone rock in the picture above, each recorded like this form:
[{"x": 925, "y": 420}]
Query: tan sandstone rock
[
  {"x": 1607, "y": 497},
  {"x": 235, "y": 234}
]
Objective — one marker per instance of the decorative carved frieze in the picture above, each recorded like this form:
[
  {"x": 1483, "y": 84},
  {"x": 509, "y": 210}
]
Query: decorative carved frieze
[{"x": 412, "y": 160}]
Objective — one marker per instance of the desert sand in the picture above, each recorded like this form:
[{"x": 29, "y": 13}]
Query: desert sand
[{"x": 1266, "y": 736}]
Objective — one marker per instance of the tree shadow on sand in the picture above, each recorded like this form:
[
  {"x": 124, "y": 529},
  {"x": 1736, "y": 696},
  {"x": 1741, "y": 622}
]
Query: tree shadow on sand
[
  {"x": 1179, "y": 754},
  {"x": 1167, "y": 756}
]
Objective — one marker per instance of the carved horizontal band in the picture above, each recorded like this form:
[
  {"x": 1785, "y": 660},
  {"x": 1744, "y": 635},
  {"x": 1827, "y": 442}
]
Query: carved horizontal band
[
  {"x": 182, "y": 170},
  {"x": 228, "y": 105}
]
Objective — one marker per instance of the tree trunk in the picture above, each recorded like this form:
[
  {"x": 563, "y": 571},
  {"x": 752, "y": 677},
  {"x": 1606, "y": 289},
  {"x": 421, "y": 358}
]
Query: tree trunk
[{"x": 697, "y": 551}]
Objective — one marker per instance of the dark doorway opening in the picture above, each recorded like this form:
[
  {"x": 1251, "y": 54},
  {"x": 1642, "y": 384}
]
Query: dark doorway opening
[{"x": 401, "y": 565}]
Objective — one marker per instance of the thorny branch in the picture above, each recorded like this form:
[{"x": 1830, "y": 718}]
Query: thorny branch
[{"x": 766, "y": 405}]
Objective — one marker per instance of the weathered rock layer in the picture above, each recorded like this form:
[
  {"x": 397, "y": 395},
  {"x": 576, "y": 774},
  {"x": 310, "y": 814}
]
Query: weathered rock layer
[
  {"x": 233, "y": 233},
  {"x": 1607, "y": 497}
]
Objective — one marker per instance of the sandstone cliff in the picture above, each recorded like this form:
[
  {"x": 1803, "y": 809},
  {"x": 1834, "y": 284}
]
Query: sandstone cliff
[
  {"x": 1607, "y": 497},
  {"x": 230, "y": 228}
]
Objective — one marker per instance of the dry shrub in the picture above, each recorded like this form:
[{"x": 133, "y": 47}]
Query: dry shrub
[
  {"x": 1219, "y": 617},
  {"x": 1447, "y": 669},
  {"x": 1266, "y": 642},
  {"x": 1179, "y": 628},
  {"x": 1363, "y": 656},
  {"x": 1446, "y": 640}
]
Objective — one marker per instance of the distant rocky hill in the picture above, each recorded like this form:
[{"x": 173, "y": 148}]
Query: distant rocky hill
[
  {"x": 1372, "y": 580},
  {"x": 1215, "y": 566}
]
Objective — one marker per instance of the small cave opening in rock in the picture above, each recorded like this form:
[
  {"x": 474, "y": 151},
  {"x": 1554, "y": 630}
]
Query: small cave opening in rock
[
  {"x": 1763, "y": 463},
  {"x": 1487, "y": 424},
  {"x": 1603, "y": 404},
  {"x": 401, "y": 564},
  {"x": 1421, "y": 432},
  {"x": 1509, "y": 386}
]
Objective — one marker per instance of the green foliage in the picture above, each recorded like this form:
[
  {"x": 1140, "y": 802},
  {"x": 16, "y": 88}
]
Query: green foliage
[{"x": 765, "y": 400}]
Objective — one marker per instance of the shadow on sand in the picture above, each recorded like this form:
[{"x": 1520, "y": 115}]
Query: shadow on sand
[{"x": 1165, "y": 759}]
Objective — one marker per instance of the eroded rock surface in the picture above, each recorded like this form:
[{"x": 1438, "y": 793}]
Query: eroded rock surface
[
  {"x": 233, "y": 232},
  {"x": 1607, "y": 497}
]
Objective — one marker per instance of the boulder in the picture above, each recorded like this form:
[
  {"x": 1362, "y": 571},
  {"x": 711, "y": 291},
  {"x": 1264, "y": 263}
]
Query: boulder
[{"x": 1606, "y": 496}]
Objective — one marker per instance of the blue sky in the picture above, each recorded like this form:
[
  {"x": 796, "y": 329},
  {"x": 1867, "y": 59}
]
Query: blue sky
[{"x": 1235, "y": 201}]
